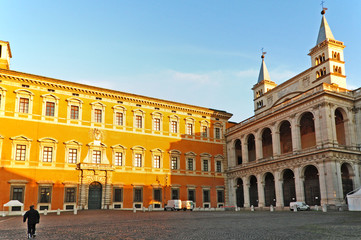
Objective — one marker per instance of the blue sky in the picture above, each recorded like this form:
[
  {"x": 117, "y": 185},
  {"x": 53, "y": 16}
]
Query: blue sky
[{"x": 205, "y": 53}]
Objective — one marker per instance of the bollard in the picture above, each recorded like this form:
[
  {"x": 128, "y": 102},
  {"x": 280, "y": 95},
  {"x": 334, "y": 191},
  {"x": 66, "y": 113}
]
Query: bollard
[
  {"x": 143, "y": 209},
  {"x": 3, "y": 214},
  {"x": 252, "y": 208},
  {"x": 45, "y": 212},
  {"x": 316, "y": 207},
  {"x": 134, "y": 210},
  {"x": 271, "y": 208},
  {"x": 58, "y": 212},
  {"x": 295, "y": 209},
  {"x": 75, "y": 211},
  {"x": 324, "y": 208}
]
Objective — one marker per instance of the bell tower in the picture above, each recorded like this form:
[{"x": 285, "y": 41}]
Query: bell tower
[
  {"x": 327, "y": 57},
  {"x": 264, "y": 84},
  {"x": 5, "y": 55}
]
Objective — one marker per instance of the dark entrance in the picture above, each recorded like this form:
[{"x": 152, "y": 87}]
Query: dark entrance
[
  {"x": 95, "y": 196},
  {"x": 289, "y": 190},
  {"x": 347, "y": 183},
  {"x": 239, "y": 193},
  {"x": 269, "y": 191},
  {"x": 253, "y": 191},
  {"x": 312, "y": 186}
]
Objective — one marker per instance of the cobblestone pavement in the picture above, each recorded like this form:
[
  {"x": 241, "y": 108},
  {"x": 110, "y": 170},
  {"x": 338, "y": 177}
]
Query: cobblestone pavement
[{"x": 111, "y": 224}]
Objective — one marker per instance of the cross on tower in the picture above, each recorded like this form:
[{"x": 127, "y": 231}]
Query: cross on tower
[
  {"x": 263, "y": 53},
  {"x": 323, "y": 8}
]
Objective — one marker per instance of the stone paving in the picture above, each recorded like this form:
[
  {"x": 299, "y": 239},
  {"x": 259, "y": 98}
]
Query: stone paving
[{"x": 112, "y": 224}]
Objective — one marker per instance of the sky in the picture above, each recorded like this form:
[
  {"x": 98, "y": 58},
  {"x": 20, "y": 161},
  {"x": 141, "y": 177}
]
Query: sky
[{"x": 204, "y": 53}]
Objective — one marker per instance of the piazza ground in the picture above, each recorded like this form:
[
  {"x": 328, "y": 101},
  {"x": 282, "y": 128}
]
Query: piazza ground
[{"x": 108, "y": 224}]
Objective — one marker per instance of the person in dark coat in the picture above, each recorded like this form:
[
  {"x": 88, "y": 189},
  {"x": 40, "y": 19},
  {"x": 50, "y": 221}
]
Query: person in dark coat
[{"x": 33, "y": 218}]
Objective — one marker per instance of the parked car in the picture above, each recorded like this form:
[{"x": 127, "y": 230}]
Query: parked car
[
  {"x": 187, "y": 205},
  {"x": 300, "y": 206},
  {"x": 173, "y": 205}
]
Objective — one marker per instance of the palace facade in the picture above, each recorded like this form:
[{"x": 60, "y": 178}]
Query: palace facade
[
  {"x": 304, "y": 141},
  {"x": 65, "y": 145}
]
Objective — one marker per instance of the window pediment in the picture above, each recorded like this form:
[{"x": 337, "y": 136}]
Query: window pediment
[
  {"x": 21, "y": 138},
  {"x": 48, "y": 140}
]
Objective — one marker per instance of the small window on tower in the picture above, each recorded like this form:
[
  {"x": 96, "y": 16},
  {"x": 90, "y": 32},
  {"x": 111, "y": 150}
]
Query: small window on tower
[{"x": 0, "y": 50}]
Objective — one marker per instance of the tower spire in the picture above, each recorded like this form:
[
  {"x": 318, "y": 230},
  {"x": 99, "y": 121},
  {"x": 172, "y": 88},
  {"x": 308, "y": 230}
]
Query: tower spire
[
  {"x": 325, "y": 30},
  {"x": 263, "y": 72}
]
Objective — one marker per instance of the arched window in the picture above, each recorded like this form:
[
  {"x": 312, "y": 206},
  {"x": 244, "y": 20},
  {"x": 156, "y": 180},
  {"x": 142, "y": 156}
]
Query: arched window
[
  {"x": 340, "y": 127},
  {"x": 307, "y": 130},
  {"x": 267, "y": 143},
  {"x": 238, "y": 151},
  {"x": 251, "y": 148},
  {"x": 323, "y": 57},
  {"x": 317, "y": 74}
]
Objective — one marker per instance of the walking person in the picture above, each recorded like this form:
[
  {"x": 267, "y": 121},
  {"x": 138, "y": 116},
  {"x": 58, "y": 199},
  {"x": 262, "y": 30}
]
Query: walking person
[{"x": 33, "y": 218}]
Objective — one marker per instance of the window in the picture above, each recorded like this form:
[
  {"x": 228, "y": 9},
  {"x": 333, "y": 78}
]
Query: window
[
  {"x": 118, "y": 118},
  {"x": 138, "y": 160},
  {"x": 192, "y": 195},
  {"x": 156, "y": 124},
  {"x": 174, "y": 163},
  {"x": 217, "y": 132},
  {"x": 175, "y": 193},
  {"x": 206, "y": 195},
  {"x": 156, "y": 160},
  {"x": 24, "y": 105},
  {"x": 204, "y": 131},
  {"x": 189, "y": 128},
  {"x": 97, "y": 156},
  {"x": 74, "y": 112},
  {"x": 70, "y": 194},
  {"x": 17, "y": 193},
  {"x": 98, "y": 115},
  {"x": 205, "y": 165},
  {"x": 72, "y": 155},
  {"x": 45, "y": 195},
  {"x": 220, "y": 196},
  {"x": 218, "y": 166},
  {"x": 190, "y": 164},
  {"x": 138, "y": 121},
  {"x": 118, "y": 195},
  {"x": 138, "y": 195},
  {"x": 50, "y": 109},
  {"x": 118, "y": 157},
  {"x": 47, "y": 154},
  {"x": 157, "y": 193},
  {"x": 20, "y": 152},
  {"x": 174, "y": 126}
]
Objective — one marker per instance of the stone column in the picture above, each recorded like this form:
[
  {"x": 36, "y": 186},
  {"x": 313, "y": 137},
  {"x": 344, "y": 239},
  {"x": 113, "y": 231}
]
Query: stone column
[
  {"x": 279, "y": 190},
  {"x": 338, "y": 180},
  {"x": 246, "y": 192},
  {"x": 260, "y": 189},
  {"x": 244, "y": 150},
  {"x": 351, "y": 128},
  {"x": 232, "y": 192},
  {"x": 299, "y": 185},
  {"x": 358, "y": 126},
  {"x": 258, "y": 142},
  {"x": 296, "y": 139},
  {"x": 83, "y": 199},
  {"x": 322, "y": 180},
  {"x": 276, "y": 145},
  {"x": 357, "y": 177},
  {"x": 107, "y": 196},
  {"x": 326, "y": 129}
]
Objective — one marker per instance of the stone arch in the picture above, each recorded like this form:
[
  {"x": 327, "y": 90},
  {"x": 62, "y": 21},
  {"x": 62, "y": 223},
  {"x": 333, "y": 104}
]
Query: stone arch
[
  {"x": 340, "y": 126},
  {"x": 289, "y": 189},
  {"x": 253, "y": 191},
  {"x": 307, "y": 130},
  {"x": 312, "y": 185},
  {"x": 251, "y": 145},
  {"x": 347, "y": 175},
  {"x": 238, "y": 151},
  {"x": 267, "y": 148},
  {"x": 285, "y": 137},
  {"x": 269, "y": 189},
  {"x": 239, "y": 193}
]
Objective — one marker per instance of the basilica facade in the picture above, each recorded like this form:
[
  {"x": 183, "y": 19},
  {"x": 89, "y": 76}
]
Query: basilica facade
[{"x": 304, "y": 141}]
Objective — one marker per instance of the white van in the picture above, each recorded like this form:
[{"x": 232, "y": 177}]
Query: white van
[
  {"x": 173, "y": 205},
  {"x": 300, "y": 206},
  {"x": 187, "y": 205}
]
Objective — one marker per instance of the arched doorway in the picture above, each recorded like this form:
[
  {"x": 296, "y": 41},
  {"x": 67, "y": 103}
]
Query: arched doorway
[
  {"x": 289, "y": 190},
  {"x": 346, "y": 176},
  {"x": 312, "y": 186},
  {"x": 251, "y": 148},
  {"x": 95, "y": 196},
  {"x": 307, "y": 130},
  {"x": 267, "y": 143},
  {"x": 269, "y": 191},
  {"x": 340, "y": 128},
  {"x": 239, "y": 193},
  {"x": 253, "y": 191},
  {"x": 285, "y": 137},
  {"x": 238, "y": 151}
]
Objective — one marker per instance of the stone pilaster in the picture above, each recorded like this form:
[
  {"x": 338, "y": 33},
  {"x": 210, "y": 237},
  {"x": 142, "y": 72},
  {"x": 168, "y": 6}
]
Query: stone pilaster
[
  {"x": 260, "y": 188},
  {"x": 258, "y": 142},
  {"x": 278, "y": 190},
  {"x": 299, "y": 185},
  {"x": 296, "y": 138},
  {"x": 246, "y": 193},
  {"x": 276, "y": 143},
  {"x": 244, "y": 150}
]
